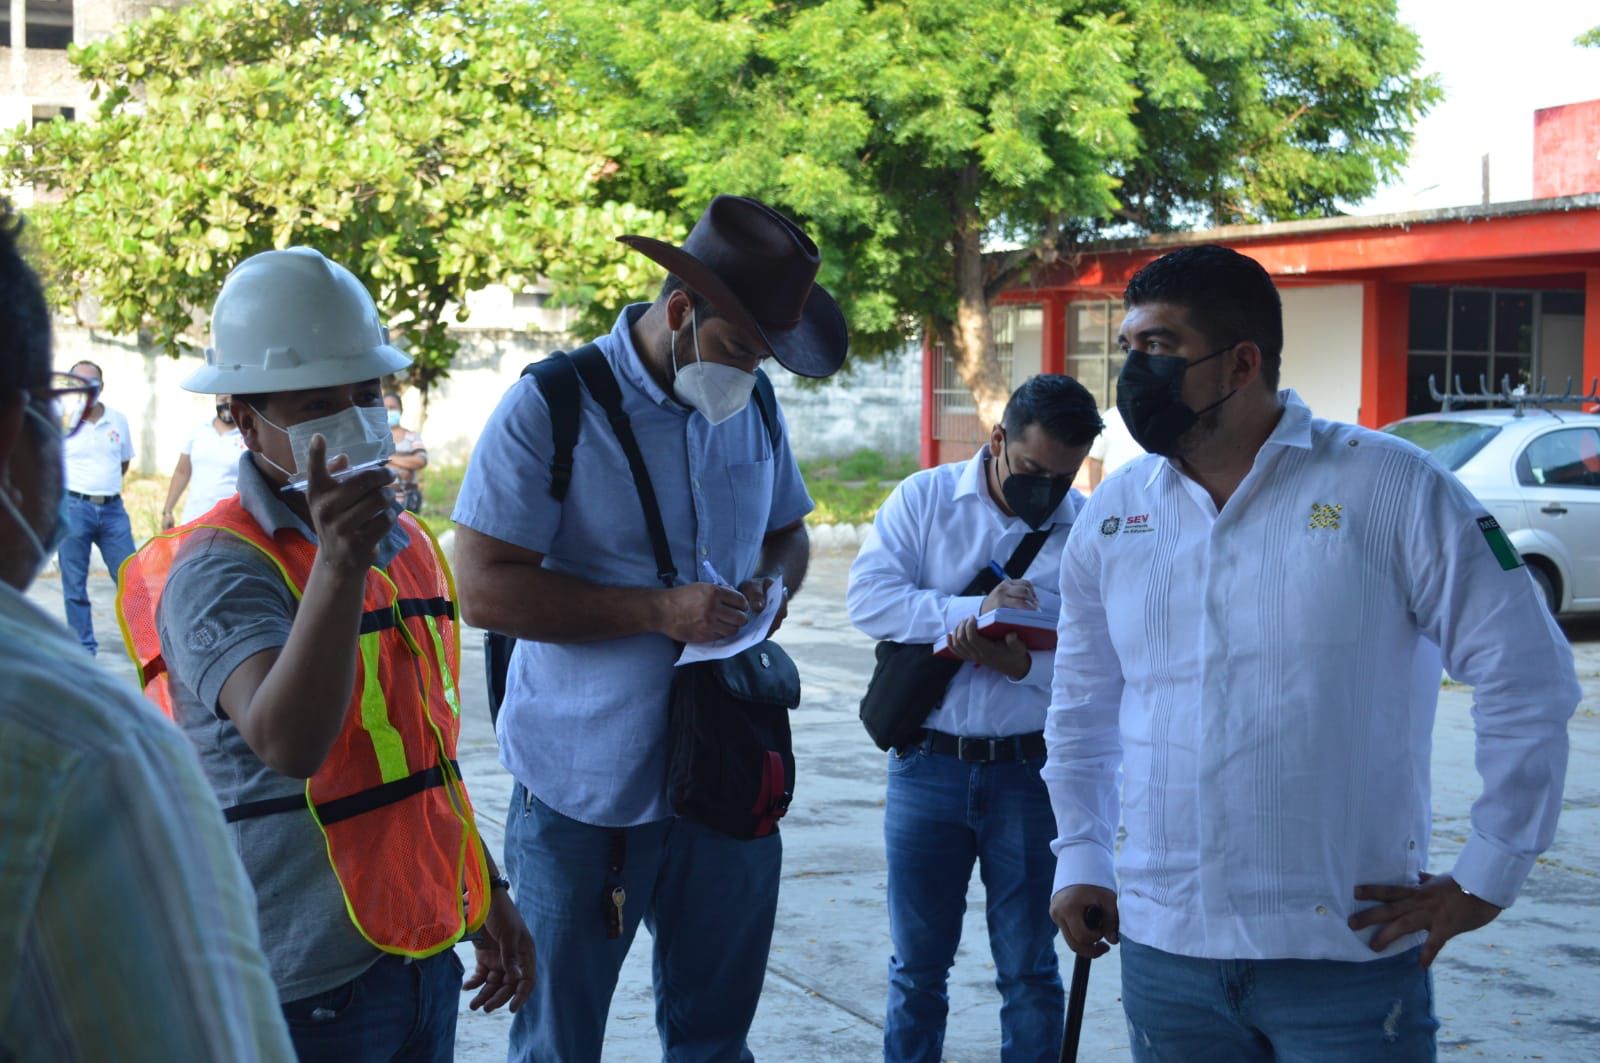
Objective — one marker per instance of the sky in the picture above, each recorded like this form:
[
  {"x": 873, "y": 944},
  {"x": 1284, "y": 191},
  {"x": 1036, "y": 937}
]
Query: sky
[{"x": 1498, "y": 63}]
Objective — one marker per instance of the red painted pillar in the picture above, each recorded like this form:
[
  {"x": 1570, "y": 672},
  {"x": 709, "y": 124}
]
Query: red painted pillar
[
  {"x": 1385, "y": 342},
  {"x": 928, "y": 452},
  {"x": 1591, "y": 328},
  {"x": 1054, "y": 339}
]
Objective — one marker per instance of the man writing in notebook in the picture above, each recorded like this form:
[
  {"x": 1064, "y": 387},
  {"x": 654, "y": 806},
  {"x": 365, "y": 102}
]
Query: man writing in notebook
[
  {"x": 592, "y": 845},
  {"x": 969, "y": 789}
]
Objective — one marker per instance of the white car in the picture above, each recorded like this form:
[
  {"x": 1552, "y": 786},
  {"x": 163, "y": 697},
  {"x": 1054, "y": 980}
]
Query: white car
[{"x": 1538, "y": 474}]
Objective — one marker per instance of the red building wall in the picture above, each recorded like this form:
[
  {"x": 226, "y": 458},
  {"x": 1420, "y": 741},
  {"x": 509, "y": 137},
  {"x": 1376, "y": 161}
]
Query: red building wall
[{"x": 1566, "y": 150}]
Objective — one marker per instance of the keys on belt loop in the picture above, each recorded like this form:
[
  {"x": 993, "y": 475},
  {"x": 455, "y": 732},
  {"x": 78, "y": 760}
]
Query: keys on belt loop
[
  {"x": 616, "y": 896},
  {"x": 619, "y": 897}
]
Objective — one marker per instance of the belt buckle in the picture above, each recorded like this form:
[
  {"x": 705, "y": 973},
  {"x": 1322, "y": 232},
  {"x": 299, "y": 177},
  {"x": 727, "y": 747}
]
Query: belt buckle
[{"x": 982, "y": 750}]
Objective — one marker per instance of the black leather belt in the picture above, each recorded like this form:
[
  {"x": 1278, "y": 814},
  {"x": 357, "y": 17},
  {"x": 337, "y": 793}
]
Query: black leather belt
[
  {"x": 1007, "y": 750},
  {"x": 98, "y": 500}
]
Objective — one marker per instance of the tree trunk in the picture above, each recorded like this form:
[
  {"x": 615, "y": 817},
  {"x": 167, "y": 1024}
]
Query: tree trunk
[{"x": 972, "y": 333}]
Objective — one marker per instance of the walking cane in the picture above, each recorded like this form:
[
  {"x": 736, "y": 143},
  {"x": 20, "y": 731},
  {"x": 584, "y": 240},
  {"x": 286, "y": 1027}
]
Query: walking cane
[{"x": 1078, "y": 994}]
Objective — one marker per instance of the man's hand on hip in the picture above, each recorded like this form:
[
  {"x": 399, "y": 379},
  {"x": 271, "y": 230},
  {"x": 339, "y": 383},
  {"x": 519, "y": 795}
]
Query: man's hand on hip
[
  {"x": 1068, "y": 908},
  {"x": 1439, "y": 906}
]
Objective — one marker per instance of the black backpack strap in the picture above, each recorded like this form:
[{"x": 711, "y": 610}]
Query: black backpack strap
[
  {"x": 1026, "y": 551},
  {"x": 767, "y": 403},
  {"x": 602, "y": 385},
  {"x": 557, "y": 379}
]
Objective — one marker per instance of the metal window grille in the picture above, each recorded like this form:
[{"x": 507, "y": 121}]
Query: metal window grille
[{"x": 955, "y": 411}]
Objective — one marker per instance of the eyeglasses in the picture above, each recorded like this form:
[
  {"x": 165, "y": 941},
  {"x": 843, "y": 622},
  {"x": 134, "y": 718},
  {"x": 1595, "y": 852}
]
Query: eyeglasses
[{"x": 70, "y": 398}]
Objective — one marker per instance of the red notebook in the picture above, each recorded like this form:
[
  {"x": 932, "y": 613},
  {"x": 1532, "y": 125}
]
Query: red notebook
[{"x": 1036, "y": 630}]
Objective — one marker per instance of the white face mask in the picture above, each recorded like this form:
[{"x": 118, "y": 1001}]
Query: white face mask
[
  {"x": 360, "y": 433},
  {"x": 718, "y": 391}
]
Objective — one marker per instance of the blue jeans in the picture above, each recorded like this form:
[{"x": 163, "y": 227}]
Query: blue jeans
[
  {"x": 105, "y": 526},
  {"x": 708, "y": 899},
  {"x": 941, "y": 815},
  {"x": 393, "y": 1011},
  {"x": 1298, "y": 1011}
]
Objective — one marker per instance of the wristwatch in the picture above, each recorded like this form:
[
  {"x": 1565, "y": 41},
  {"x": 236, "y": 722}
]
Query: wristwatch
[{"x": 498, "y": 882}]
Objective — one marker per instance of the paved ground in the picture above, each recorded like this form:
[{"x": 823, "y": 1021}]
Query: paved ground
[{"x": 1526, "y": 987}]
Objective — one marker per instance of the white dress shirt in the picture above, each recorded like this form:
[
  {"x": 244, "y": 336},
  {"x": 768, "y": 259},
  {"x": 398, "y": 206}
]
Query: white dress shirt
[
  {"x": 932, "y": 535},
  {"x": 1266, "y": 680},
  {"x": 94, "y": 454}
]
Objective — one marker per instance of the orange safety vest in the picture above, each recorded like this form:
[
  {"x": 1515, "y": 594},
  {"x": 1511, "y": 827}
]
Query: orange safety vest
[{"x": 388, "y": 799}]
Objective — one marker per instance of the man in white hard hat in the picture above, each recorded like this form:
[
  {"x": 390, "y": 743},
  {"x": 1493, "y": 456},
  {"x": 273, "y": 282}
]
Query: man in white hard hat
[{"x": 303, "y": 633}]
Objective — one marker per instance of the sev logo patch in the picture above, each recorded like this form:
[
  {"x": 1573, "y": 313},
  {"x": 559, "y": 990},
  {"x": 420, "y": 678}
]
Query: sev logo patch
[
  {"x": 1110, "y": 525},
  {"x": 1504, "y": 552},
  {"x": 1325, "y": 516}
]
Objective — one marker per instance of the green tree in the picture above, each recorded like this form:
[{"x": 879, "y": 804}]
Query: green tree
[
  {"x": 1590, "y": 39},
  {"x": 944, "y": 149},
  {"x": 429, "y": 145}
]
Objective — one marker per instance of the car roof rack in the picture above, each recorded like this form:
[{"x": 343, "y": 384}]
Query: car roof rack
[{"x": 1516, "y": 397}]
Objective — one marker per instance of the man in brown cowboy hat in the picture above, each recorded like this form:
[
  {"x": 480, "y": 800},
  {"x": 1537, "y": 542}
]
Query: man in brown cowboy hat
[{"x": 560, "y": 557}]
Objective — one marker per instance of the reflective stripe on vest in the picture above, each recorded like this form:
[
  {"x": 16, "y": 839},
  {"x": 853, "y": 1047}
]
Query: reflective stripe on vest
[{"x": 388, "y": 798}]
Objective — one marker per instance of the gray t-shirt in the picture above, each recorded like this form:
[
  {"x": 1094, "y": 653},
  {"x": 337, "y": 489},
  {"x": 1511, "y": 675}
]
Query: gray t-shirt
[{"x": 225, "y": 602}]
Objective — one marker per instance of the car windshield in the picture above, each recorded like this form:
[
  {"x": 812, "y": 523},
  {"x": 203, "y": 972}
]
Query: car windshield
[{"x": 1452, "y": 442}]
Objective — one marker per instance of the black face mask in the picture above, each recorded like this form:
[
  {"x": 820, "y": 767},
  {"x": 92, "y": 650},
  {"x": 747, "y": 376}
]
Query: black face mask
[
  {"x": 1032, "y": 497},
  {"x": 1150, "y": 399},
  {"x": 225, "y": 414}
]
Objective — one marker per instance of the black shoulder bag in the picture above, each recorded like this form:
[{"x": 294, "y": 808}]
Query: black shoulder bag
[
  {"x": 909, "y": 682},
  {"x": 730, "y": 755}
]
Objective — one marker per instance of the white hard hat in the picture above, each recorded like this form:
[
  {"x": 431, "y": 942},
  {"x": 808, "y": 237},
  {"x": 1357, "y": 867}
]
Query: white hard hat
[{"x": 293, "y": 320}]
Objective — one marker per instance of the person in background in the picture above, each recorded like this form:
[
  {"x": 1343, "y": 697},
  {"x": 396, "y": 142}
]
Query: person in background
[
  {"x": 208, "y": 467},
  {"x": 1114, "y": 449},
  {"x": 97, "y": 459},
  {"x": 1258, "y": 614},
  {"x": 127, "y": 926},
  {"x": 969, "y": 791},
  {"x": 409, "y": 458}
]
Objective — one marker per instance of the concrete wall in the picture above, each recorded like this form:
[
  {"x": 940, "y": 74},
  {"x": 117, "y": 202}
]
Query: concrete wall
[
  {"x": 875, "y": 406},
  {"x": 1322, "y": 348}
]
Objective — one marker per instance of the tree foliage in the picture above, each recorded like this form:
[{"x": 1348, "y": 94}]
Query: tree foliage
[
  {"x": 914, "y": 136},
  {"x": 429, "y": 145}
]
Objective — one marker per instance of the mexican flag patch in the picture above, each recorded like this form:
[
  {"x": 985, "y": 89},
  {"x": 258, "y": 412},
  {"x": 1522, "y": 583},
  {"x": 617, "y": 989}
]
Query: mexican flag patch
[{"x": 1504, "y": 552}]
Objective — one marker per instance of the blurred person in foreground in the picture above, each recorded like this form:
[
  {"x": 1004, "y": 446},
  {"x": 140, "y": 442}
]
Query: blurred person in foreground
[{"x": 127, "y": 926}]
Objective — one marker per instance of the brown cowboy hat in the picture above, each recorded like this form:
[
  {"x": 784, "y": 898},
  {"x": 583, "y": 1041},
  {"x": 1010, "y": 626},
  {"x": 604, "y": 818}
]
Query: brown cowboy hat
[{"x": 759, "y": 270}]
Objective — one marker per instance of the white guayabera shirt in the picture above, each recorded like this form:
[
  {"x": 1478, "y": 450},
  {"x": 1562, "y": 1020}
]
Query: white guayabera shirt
[{"x": 1266, "y": 678}]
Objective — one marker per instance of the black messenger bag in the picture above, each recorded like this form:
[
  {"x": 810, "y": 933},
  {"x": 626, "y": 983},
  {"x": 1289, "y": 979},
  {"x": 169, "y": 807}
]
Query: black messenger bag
[
  {"x": 730, "y": 760},
  {"x": 909, "y": 682}
]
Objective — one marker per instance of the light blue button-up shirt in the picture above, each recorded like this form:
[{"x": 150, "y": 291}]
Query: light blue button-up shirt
[{"x": 584, "y": 726}]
